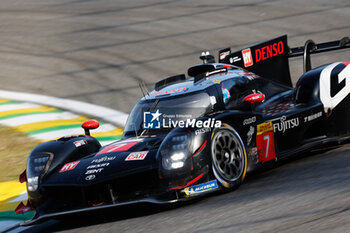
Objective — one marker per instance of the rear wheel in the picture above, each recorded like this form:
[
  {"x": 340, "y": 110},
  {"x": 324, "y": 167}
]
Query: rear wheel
[{"x": 228, "y": 157}]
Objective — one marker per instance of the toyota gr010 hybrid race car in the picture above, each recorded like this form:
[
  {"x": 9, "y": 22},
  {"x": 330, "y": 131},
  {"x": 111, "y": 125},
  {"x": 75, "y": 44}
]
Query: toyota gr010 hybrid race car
[{"x": 197, "y": 134}]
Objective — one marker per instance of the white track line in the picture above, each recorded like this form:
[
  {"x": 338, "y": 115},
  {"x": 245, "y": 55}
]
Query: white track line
[
  {"x": 34, "y": 118},
  {"x": 103, "y": 143},
  {"x": 107, "y": 114},
  {"x": 9, "y": 107},
  {"x": 64, "y": 132},
  {"x": 22, "y": 197}
]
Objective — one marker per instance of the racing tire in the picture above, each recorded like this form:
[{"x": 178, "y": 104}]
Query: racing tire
[{"x": 229, "y": 157}]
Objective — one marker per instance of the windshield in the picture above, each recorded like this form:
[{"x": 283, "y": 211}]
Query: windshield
[{"x": 148, "y": 113}]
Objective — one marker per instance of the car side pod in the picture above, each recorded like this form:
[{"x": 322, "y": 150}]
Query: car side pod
[{"x": 90, "y": 124}]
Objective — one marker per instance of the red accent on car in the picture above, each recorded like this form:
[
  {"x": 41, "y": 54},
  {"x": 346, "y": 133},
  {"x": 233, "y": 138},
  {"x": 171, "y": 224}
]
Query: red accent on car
[
  {"x": 254, "y": 98},
  {"x": 21, "y": 208},
  {"x": 69, "y": 166},
  {"x": 141, "y": 155},
  {"x": 346, "y": 63},
  {"x": 269, "y": 51},
  {"x": 189, "y": 183},
  {"x": 227, "y": 66},
  {"x": 200, "y": 148},
  {"x": 247, "y": 57},
  {"x": 98, "y": 204},
  {"x": 117, "y": 147},
  {"x": 23, "y": 177},
  {"x": 90, "y": 124}
]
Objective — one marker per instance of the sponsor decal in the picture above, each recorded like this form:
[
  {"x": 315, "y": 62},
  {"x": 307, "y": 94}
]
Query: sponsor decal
[
  {"x": 80, "y": 143},
  {"x": 169, "y": 92},
  {"x": 312, "y": 117},
  {"x": 103, "y": 159},
  {"x": 117, "y": 147},
  {"x": 264, "y": 127},
  {"x": 235, "y": 59},
  {"x": 141, "y": 155},
  {"x": 98, "y": 170},
  {"x": 269, "y": 51},
  {"x": 226, "y": 94},
  {"x": 224, "y": 54},
  {"x": 334, "y": 84},
  {"x": 216, "y": 81},
  {"x": 247, "y": 57},
  {"x": 284, "y": 124},
  {"x": 215, "y": 71},
  {"x": 253, "y": 152},
  {"x": 201, "y": 131},
  {"x": 250, "y": 135},
  {"x": 212, "y": 100},
  {"x": 249, "y": 121},
  {"x": 211, "y": 185},
  {"x": 69, "y": 166},
  {"x": 98, "y": 165},
  {"x": 156, "y": 122},
  {"x": 90, "y": 177},
  {"x": 265, "y": 142}
]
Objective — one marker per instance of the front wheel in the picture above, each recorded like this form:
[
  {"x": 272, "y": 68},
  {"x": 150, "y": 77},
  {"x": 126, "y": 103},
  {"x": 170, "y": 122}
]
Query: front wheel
[{"x": 229, "y": 159}]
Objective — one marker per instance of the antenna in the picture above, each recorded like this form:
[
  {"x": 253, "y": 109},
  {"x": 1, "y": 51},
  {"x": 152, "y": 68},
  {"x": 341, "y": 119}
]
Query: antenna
[
  {"x": 133, "y": 124},
  {"x": 143, "y": 89}
]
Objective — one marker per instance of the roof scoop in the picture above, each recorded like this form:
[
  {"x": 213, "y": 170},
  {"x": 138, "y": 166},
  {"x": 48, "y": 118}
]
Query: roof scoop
[{"x": 206, "y": 57}]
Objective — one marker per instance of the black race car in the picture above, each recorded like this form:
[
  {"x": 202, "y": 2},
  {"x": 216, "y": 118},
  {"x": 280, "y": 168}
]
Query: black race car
[{"x": 197, "y": 134}]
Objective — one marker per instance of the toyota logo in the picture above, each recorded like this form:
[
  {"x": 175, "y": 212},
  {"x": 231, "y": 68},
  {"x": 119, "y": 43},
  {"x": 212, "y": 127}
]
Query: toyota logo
[{"x": 90, "y": 177}]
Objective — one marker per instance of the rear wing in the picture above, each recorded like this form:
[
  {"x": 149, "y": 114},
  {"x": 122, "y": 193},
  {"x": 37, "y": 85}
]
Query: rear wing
[
  {"x": 311, "y": 47},
  {"x": 270, "y": 59}
]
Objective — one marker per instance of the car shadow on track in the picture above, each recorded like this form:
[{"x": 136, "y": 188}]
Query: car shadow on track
[{"x": 98, "y": 217}]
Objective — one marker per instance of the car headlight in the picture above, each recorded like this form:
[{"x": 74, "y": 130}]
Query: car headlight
[
  {"x": 174, "y": 152},
  {"x": 37, "y": 166}
]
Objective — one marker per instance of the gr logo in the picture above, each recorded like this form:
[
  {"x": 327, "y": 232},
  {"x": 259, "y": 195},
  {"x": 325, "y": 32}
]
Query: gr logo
[{"x": 334, "y": 84}]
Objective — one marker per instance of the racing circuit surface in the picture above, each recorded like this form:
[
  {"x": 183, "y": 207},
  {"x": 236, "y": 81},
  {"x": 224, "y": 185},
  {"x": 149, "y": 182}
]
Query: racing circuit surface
[{"x": 98, "y": 51}]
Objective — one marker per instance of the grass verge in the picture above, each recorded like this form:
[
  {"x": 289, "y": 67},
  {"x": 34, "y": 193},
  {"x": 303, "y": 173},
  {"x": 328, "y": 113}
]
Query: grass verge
[{"x": 14, "y": 151}]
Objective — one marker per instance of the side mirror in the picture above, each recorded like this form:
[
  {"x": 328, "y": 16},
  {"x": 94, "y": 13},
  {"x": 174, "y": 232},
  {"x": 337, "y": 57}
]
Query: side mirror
[
  {"x": 254, "y": 98},
  {"x": 90, "y": 124}
]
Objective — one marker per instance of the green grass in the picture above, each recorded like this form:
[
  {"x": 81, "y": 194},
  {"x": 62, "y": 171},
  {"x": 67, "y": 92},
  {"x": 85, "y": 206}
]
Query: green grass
[{"x": 14, "y": 151}]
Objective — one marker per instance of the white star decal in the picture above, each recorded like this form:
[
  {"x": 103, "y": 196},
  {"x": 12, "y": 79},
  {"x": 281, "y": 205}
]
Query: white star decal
[{"x": 156, "y": 115}]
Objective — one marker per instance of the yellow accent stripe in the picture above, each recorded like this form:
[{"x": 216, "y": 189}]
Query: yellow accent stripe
[
  {"x": 264, "y": 127},
  {"x": 52, "y": 123},
  {"x": 9, "y": 206},
  {"x": 11, "y": 189},
  {"x": 113, "y": 132},
  {"x": 27, "y": 110},
  {"x": 245, "y": 164},
  {"x": 4, "y": 100}
]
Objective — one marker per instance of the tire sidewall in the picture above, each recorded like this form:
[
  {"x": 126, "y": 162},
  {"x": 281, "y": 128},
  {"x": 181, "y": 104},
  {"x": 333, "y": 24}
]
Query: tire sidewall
[{"x": 226, "y": 184}]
